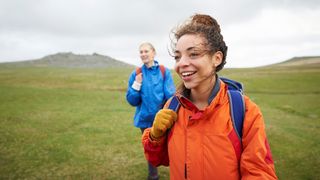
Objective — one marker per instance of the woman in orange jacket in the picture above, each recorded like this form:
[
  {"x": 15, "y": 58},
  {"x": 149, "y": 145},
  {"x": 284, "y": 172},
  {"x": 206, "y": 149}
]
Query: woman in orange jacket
[{"x": 199, "y": 141}]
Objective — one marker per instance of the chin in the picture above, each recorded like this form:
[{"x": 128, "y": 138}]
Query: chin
[{"x": 189, "y": 85}]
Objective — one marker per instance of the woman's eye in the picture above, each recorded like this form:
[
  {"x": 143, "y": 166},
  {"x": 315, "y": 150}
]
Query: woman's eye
[
  {"x": 194, "y": 55},
  {"x": 177, "y": 58},
  {"x": 141, "y": 52}
]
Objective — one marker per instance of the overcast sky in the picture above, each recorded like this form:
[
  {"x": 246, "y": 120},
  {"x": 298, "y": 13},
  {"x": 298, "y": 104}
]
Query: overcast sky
[{"x": 256, "y": 32}]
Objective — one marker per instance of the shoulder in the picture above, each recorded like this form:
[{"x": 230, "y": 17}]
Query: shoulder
[
  {"x": 253, "y": 113},
  {"x": 250, "y": 105},
  {"x": 165, "y": 70},
  {"x": 161, "y": 66},
  {"x": 134, "y": 72}
]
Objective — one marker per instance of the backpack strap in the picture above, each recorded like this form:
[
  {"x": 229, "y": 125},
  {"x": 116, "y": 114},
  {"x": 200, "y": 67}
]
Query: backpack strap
[
  {"x": 174, "y": 104},
  {"x": 232, "y": 85},
  {"x": 138, "y": 70},
  {"x": 237, "y": 106},
  {"x": 163, "y": 70},
  {"x": 237, "y": 111}
]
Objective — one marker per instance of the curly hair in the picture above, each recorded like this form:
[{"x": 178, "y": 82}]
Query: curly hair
[{"x": 207, "y": 27}]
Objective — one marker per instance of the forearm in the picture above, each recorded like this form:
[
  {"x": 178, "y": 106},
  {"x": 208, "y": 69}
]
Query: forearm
[
  {"x": 155, "y": 151},
  {"x": 133, "y": 97}
]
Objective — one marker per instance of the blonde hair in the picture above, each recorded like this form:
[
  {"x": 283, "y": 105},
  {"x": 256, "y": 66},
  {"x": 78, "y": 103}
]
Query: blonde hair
[{"x": 148, "y": 44}]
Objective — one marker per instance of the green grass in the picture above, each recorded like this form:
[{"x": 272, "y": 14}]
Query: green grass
[
  {"x": 289, "y": 99},
  {"x": 76, "y": 124}
]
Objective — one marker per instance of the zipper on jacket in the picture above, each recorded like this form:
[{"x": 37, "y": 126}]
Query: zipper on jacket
[
  {"x": 185, "y": 170},
  {"x": 185, "y": 161},
  {"x": 186, "y": 150}
]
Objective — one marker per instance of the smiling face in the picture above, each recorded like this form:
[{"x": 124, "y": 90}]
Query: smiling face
[
  {"x": 194, "y": 63},
  {"x": 147, "y": 54}
]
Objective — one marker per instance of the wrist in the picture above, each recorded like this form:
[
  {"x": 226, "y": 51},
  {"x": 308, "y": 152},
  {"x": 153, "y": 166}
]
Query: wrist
[
  {"x": 152, "y": 136},
  {"x": 155, "y": 142},
  {"x": 136, "y": 86}
]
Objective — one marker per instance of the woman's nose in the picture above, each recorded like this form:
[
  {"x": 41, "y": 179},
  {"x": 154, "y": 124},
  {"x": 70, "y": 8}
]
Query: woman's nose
[{"x": 184, "y": 61}]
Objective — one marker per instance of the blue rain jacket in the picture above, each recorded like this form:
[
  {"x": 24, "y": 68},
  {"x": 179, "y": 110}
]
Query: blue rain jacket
[{"x": 155, "y": 91}]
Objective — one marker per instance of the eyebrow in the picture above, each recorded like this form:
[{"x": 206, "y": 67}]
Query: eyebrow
[{"x": 188, "y": 49}]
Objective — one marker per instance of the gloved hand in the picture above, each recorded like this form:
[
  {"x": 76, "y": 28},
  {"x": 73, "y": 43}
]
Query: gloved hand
[{"x": 164, "y": 120}]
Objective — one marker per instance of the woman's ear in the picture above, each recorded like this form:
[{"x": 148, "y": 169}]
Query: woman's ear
[{"x": 217, "y": 58}]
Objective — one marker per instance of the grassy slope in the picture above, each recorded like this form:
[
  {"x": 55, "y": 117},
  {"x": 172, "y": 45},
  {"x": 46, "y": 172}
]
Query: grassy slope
[
  {"x": 289, "y": 100},
  {"x": 76, "y": 124}
]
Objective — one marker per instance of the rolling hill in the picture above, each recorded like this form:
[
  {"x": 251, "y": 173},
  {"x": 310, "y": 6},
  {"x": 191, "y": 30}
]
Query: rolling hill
[
  {"x": 70, "y": 60},
  {"x": 310, "y": 61}
]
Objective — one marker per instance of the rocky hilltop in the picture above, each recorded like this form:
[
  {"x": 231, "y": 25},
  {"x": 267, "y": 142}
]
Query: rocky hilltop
[{"x": 70, "y": 60}]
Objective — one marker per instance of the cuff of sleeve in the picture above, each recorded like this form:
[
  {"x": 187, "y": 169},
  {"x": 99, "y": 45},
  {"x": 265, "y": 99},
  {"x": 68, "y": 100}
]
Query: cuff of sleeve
[
  {"x": 136, "y": 86},
  {"x": 158, "y": 142}
]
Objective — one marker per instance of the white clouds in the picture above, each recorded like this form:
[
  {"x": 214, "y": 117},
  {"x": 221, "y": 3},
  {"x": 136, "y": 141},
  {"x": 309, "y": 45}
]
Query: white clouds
[
  {"x": 273, "y": 35},
  {"x": 256, "y": 33}
]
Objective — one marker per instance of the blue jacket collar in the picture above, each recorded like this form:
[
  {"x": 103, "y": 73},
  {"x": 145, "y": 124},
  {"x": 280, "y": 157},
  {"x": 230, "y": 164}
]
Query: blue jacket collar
[{"x": 155, "y": 64}]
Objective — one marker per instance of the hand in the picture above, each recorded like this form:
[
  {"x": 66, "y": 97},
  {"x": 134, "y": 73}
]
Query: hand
[
  {"x": 164, "y": 120},
  {"x": 139, "y": 78}
]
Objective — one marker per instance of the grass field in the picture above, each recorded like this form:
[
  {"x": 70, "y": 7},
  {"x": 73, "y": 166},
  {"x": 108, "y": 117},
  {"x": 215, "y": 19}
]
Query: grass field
[{"x": 76, "y": 123}]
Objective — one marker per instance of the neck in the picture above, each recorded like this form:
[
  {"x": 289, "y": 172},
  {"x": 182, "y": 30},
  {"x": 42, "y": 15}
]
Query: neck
[
  {"x": 200, "y": 95},
  {"x": 150, "y": 64}
]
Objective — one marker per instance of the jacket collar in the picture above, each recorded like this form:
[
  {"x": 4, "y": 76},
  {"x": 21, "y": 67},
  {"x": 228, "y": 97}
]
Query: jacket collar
[
  {"x": 214, "y": 97},
  {"x": 155, "y": 65},
  {"x": 215, "y": 90}
]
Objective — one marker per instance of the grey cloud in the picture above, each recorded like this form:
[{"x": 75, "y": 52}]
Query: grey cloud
[
  {"x": 109, "y": 18},
  {"x": 115, "y": 27}
]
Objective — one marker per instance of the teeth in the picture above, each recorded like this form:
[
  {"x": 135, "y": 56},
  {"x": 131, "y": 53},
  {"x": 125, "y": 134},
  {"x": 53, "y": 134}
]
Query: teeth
[{"x": 187, "y": 73}]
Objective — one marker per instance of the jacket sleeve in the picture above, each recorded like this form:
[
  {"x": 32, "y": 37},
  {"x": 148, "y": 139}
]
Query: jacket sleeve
[
  {"x": 256, "y": 159},
  {"x": 133, "y": 96},
  {"x": 156, "y": 152},
  {"x": 169, "y": 87}
]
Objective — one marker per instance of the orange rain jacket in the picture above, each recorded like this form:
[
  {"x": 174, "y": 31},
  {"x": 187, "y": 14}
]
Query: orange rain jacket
[{"x": 202, "y": 144}]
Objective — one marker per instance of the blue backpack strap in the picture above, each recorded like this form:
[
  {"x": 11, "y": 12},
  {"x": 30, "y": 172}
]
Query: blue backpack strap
[
  {"x": 233, "y": 85},
  {"x": 174, "y": 104},
  {"x": 237, "y": 110},
  {"x": 237, "y": 106}
]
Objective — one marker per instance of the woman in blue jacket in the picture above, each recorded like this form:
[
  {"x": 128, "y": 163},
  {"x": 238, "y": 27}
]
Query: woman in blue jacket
[{"x": 149, "y": 87}]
